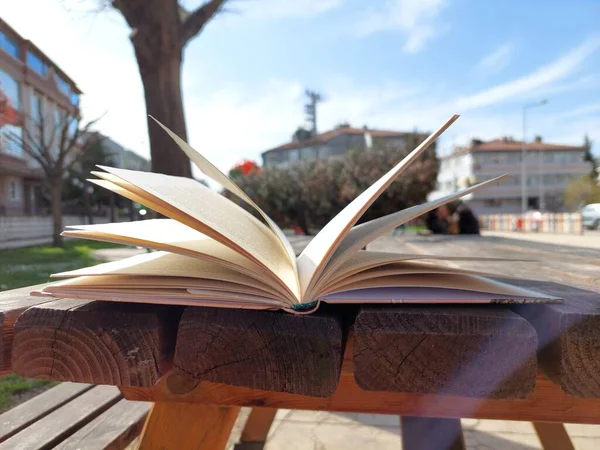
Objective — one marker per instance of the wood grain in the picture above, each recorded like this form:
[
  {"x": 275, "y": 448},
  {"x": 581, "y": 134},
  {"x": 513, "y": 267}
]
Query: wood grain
[
  {"x": 419, "y": 433},
  {"x": 273, "y": 351},
  {"x": 95, "y": 342},
  {"x": 175, "y": 426},
  {"x": 56, "y": 426},
  {"x": 23, "y": 415},
  {"x": 445, "y": 350},
  {"x": 12, "y": 304},
  {"x": 553, "y": 436},
  {"x": 569, "y": 337},
  {"x": 114, "y": 429},
  {"x": 547, "y": 403}
]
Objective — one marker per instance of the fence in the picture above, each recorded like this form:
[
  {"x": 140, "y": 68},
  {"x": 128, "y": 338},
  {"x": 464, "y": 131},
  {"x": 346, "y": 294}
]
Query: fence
[
  {"x": 562, "y": 223},
  {"x": 24, "y": 231}
]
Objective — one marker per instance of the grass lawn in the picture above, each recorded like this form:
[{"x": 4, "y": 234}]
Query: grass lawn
[
  {"x": 21, "y": 267},
  {"x": 29, "y": 266}
]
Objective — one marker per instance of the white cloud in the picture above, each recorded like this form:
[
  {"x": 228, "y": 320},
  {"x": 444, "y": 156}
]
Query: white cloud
[
  {"x": 417, "y": 20},
  {"x": 541, "y": 77},
  {"x": 497, "y": 60}
]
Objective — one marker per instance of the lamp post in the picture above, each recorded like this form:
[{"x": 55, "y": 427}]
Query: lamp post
[{"x": 523, "y": 171}]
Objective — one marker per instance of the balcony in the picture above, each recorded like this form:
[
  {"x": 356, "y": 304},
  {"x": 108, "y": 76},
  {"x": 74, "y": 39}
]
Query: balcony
[{"x": 13, "y": 165}]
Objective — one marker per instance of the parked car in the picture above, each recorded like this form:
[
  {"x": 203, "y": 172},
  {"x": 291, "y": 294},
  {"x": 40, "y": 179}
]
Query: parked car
[{"x": 591, "y": 216}]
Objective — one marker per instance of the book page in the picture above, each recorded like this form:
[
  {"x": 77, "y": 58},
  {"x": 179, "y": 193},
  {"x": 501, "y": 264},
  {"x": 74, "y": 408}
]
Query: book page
[
  {"x": 163, "y": 264},
  {"x": 404, "y": 268},
  {"x": 210, "y": 170},
  {"x": 168, "y": 235},
  {"x": 446, "y": 281},
  {"x": 198, "y": 207},
  {"x": 116, "y": 282},
  {"x": 316, "y": 254},
  {"x": 360, "y": 235}
]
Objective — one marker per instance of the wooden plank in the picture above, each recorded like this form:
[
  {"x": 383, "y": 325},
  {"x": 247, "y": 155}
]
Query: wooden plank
[
  {"x": 175, "y": 426},
  {"x": 569, "y": 337},
  {"x": 553, "y": 436},
  {"x": 256, "y": 429},
  {"x": 12, "y": 304},
  {"x": 23, "y": 415},
  {"x": 114, "y": 429},
  {"x": 274, "y": 351},
  {"x": 419, "y": 433},
  {"x": 547, "y": 403},
  {"x": 95, "y": 342},
  {"x": 445, "y": 350},
  {"x": 56, "y": 426}
]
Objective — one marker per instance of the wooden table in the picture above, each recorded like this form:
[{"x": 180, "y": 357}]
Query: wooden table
[{"x": 538, "y": 363}]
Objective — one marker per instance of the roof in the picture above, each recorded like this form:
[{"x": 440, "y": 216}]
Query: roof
[
  {"x": 509, "y": 144},
  {"x": 324, "y": 137},
  {"x": 41, "y": 54}
]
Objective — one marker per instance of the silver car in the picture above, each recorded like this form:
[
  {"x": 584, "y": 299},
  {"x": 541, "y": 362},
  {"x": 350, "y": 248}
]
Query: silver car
[{"x": 591, "y": 216}]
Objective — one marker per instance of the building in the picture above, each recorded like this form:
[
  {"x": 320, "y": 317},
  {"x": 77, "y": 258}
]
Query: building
[
  {"x": 332, "y": 144},
  {"x": 549, "y": 169},
  {"x": 121, "y": 157},
  {"x": 31, "y": 86}
]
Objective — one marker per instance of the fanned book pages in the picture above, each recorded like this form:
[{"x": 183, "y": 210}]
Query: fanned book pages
[{"x": 212, "y": 252}]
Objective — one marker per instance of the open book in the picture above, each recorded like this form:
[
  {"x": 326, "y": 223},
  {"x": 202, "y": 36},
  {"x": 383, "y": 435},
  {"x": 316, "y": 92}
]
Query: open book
[{"x": 212, "y": 252}]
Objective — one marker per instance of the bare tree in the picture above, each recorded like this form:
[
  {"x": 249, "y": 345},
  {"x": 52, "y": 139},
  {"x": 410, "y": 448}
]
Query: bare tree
[
  {"x": 160, "y": 29},
  {"x": 54, "y": 142}
]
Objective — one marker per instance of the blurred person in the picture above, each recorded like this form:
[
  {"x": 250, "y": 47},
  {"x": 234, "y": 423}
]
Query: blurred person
[
  {"x": 439, "y": 221},
  {"x": 466, "y": 219}
]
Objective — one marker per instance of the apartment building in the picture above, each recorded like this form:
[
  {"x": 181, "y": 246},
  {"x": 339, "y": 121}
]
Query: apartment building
[
  {"x": 332, "y": 144},
  {"x": 119, "y": 156},
  {"x": 549, "y": 168},
  {"x": 31, "y": 86}
]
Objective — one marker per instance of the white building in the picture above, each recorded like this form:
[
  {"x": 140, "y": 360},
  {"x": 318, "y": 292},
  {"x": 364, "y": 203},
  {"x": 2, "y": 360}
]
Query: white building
[{"x": 549, "y": 169}]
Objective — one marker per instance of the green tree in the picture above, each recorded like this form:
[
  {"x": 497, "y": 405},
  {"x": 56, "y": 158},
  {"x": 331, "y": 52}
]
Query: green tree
[
  {"x": 589, "y": 157},
  {"x": 582, "y": 192},
  {"x": 309, "y": 195}
]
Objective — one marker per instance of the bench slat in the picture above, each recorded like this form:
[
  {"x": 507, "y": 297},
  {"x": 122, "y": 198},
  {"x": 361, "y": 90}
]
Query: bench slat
[
  {"x": 121, "y": 344},
  {"x": 12, "y": 304},
  {"x": 56, "y": 426},
  {"x": 114, "y": 429},
  {"x": 23, "y": 415},
  {"x": 445, "y": 350}
]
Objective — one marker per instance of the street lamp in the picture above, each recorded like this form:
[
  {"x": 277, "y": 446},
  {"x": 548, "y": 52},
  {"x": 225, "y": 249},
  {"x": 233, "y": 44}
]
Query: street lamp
[{"x": 523, "y": 174}]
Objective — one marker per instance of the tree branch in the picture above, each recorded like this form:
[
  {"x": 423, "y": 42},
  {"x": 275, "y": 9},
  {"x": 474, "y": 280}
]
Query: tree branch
[{"x": 195, "y": 21}]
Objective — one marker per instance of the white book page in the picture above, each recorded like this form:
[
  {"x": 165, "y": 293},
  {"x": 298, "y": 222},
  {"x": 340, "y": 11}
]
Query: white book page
[
  {"x": 199, "y": 207},
  {"x": 168, "y": 235},
  {"x": 360, "y": 235},
  {"x": 316, "y": 254},
  {"x": 210, "y": 170}
]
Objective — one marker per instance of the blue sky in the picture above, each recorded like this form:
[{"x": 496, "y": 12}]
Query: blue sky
[{"x": 398, "y": 64}]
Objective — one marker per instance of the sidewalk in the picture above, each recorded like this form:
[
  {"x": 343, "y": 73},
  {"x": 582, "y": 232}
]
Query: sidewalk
[{"x": 590, "y": 239}]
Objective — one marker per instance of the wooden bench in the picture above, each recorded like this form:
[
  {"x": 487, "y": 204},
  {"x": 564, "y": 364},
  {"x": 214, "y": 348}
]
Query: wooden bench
[
  {"x": 429, "y": 365},
  {"x": 73, "y": 416}
]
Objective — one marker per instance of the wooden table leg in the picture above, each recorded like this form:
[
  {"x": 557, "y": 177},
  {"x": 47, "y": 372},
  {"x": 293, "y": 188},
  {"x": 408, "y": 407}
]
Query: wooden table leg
[
  {"x": 553, "y": 436},
  {"x": 188, "y": 426},
  {"x": 422, "y": 433},
  {"x": 256, "y": 429}
]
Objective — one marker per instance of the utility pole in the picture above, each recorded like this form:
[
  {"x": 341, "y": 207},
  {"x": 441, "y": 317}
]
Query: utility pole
[
  {"x": 311, "y": 109},
  {"x": 523, "y": 153}
]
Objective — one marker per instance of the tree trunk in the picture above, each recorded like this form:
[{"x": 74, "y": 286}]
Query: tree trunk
[
  {"x": 87, "y": 207},
  {"x": 56, "y": 187},
  {"x": 131, "y": 211},
  {"x": 162, "y": 91}
]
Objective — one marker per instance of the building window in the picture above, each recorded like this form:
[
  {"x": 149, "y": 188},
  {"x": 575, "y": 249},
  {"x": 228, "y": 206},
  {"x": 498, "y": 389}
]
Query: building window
[
  {"x": 74, "y": 98},
  {"x": 63, "y": 86},
  {"x": 11, "y": 89},
  {"x": 293, "y": 155},
  {"x": 11, "y": 140},
  {"x": 14, "y": 190},
  {"x": 9, "y": 45},
  {"x": 492, "y": 203},
  {"x": 36, "y": 63},
  {"x": 36, "y": 107}
]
